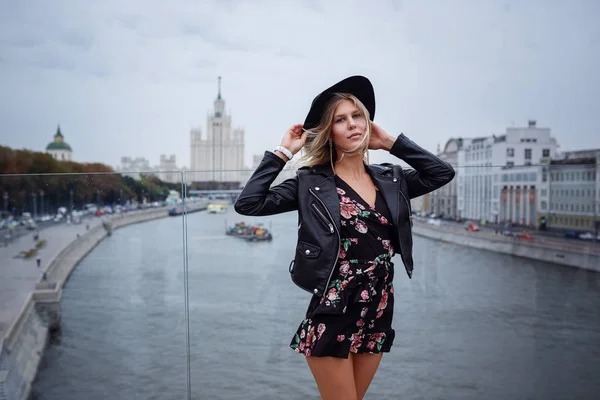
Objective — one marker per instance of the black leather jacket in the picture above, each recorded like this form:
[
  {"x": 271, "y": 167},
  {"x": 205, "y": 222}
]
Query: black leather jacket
[{"x": 313, "y": 193}]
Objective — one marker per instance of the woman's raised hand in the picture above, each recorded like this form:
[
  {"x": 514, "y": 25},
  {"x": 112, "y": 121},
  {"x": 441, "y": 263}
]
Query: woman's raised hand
[
  {"x": 380, "y": 139},
  {"x": 294, "y": 138}
]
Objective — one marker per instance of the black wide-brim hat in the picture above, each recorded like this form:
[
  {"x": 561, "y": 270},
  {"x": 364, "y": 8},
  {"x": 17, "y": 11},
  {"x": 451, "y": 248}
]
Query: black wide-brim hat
[{"x": 356, "y": 85}]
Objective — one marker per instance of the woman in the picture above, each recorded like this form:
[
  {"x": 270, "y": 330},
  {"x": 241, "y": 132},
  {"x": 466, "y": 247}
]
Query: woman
[{"x": 353, "y": 218}]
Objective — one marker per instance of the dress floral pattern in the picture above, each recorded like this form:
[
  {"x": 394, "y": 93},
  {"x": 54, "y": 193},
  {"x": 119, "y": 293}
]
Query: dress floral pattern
[{"x": 355, "y": 315}]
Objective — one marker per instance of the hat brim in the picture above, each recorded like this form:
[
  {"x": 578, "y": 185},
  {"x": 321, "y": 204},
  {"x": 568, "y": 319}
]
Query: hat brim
[{"x": 357, "y": 85}]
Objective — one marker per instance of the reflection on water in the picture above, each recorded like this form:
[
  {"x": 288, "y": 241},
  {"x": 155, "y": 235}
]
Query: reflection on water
[{"x": 470, "y": 324}]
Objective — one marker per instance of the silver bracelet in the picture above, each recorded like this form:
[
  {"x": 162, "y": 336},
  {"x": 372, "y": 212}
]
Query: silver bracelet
[{"x": 285, "y": 152}]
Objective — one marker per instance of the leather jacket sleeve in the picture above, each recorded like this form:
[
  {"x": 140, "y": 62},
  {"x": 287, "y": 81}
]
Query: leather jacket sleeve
[
  {"x": 429, "y": 173},
  {"x": 258, "y": 198}
]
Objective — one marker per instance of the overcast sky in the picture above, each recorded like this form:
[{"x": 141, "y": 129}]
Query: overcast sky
[{"x": 133, "y": 77}]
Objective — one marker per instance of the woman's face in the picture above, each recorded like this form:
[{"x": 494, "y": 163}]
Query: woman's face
[{"x": 349, "y": 126}]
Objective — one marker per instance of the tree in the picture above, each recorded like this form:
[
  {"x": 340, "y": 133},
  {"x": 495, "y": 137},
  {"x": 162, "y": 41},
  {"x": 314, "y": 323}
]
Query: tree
[{"x": 27, "y": 176}]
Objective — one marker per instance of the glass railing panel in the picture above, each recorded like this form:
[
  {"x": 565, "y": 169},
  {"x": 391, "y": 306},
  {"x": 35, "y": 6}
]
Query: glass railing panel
[
  {"x": 243, "y": 307},
  {"x": 95, "y": 264},
  {"x": 490, "y": 282},
  {"x": 507, "y": 263}
]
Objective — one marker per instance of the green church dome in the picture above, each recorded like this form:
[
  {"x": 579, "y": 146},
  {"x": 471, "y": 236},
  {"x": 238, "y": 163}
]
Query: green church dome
[
  {"x": 58, "y": 146},
  {"x": 59, "y": 143}
]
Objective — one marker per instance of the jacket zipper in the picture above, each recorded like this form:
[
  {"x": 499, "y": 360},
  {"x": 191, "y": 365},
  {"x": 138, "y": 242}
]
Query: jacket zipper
[
  {"x": 337, "y": 253},
  {"x": 402, "y": 254},
  {"x": 324, "y": 218},
  {"x": 399, "y": 239}
]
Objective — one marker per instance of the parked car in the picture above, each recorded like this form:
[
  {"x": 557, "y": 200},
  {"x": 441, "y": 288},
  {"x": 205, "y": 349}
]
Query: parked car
[
  {"x": 472, "y": 227},
  {"x": 588, "y": 236},
  {"x": 525, "y": 236}
]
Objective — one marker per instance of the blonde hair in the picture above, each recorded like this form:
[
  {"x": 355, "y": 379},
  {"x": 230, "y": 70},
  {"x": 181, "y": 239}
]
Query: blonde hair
[{"x": 317, "y": 149}]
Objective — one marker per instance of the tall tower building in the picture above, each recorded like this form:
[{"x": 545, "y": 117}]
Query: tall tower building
[{"x": 220, "y": 156}]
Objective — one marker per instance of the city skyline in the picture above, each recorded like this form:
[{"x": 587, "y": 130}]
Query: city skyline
[{"x": 122, "y": 83}]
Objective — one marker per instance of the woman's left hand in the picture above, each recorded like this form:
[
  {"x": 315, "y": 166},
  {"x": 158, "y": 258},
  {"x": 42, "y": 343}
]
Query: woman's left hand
[{"x": 380, "y": 139}]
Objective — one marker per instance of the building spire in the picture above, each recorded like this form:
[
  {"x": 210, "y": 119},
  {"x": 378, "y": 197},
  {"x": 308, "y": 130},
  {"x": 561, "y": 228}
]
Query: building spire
[{"x": 219, "y": 96}]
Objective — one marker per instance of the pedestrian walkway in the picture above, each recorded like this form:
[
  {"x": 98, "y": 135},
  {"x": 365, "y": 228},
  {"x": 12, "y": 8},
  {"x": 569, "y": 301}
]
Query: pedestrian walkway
[{"x": 18, "y": 276}]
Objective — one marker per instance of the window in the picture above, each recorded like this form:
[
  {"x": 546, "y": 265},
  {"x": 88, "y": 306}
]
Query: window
[
  {"x": 544, "y": 174},
  {"x": 545, "y": 152},
  {"x": 510, "y": 152},
  {"x": 528, "y": 154},
  {"x": 510, "y": 164}
]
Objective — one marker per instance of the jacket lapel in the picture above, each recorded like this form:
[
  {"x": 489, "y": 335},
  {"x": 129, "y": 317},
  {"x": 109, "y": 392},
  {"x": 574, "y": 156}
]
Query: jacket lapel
[
  {"x": 389, "y": 189},
  {"x": 327, "y": 191}
]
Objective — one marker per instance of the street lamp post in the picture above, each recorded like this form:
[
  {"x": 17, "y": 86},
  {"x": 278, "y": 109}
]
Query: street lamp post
[
  {"x": 34, "y": 205},
  {"x": 596, "y": 222}
]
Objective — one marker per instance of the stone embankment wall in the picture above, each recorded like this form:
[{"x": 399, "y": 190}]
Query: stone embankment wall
[
  {"x": 23, "y": 345},
  {"x": 578, "y": 256}
]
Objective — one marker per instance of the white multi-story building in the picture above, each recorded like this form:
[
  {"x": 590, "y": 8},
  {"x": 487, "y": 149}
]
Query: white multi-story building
[
  {"x": 220, "y": 156},
  {"x": 167, "y": 170},
  {"x": 519, "y": 195},
  {"x": 482, "y": 162},
  {"x": 570, "y": 192},
  {"x": 444, "y": 200},
  {"x": 132, "y": 167}
]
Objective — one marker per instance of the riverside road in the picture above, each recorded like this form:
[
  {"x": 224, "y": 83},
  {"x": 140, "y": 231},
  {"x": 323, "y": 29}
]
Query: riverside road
[
  {"x": 19, "y": 275},
  {"x": 545, "y": 238},
  {"x": 469, "y": 325}
]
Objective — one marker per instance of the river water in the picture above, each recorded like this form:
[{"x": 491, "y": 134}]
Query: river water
[{"x": 469, "y": 325}]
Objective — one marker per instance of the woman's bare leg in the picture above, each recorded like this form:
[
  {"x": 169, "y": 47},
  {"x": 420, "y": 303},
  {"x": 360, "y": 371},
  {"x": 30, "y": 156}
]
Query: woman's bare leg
[
  {"x": 365, "y": 367},
  {"x": 334, "y": 377}
]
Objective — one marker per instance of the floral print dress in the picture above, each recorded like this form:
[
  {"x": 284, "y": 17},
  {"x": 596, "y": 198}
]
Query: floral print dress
[{"x": 355, "y": 314}]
